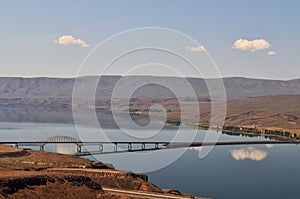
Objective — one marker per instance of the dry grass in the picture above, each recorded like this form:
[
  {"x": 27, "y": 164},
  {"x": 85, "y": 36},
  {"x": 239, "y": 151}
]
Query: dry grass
[{"x": 273, "y": 112}]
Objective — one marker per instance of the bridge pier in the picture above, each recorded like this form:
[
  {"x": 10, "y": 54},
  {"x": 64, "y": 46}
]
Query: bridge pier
[
  {"x": 101, "y": 147},
  {"x": 78, "y": 148},
  {"x": 143, "y": 146},
  {"x": 116, "y": 147},
  {"x": 42, "y": 148},
  {"x": 129, "y": 146}
]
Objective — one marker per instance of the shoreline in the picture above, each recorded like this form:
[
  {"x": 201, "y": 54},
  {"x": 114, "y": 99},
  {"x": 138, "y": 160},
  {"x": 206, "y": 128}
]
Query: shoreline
[{"x": 267, "y": 132}]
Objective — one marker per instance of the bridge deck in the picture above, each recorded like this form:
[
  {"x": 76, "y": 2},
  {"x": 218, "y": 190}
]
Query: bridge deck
[
  {"x": 173, "y": 144},
  {"x": 140, "y": 146}
]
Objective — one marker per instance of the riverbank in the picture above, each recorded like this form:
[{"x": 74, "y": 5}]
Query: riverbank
[{"x": 271, "y": 133}]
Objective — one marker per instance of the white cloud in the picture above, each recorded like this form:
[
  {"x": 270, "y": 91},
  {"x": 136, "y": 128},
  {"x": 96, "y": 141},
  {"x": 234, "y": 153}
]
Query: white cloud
[
  {"x": 252, "y": 45},
  {"x": 248, "y": 153},
  {"x": 69, "y": 39},
  {"x": 196, "y": 48},
  {"x": 272, "y": 52}
]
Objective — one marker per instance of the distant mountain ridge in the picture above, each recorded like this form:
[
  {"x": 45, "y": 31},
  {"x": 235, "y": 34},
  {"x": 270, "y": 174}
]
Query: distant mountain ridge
[{"x": 236, "y": 87}]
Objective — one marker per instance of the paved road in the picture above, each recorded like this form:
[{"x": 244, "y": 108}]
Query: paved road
[
  {"x": 173, "y": 145},
  {"x": 140, "y": 194}
]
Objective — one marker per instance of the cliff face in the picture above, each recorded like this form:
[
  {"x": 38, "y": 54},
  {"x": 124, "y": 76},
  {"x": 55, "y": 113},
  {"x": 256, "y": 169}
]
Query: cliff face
[{"x": 27, "y": 173}]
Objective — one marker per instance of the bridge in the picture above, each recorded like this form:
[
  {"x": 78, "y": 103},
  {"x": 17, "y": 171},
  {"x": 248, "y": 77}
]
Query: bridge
[
  {"x": 60, "y": 139},
  {"x": 135, "y": 146}
]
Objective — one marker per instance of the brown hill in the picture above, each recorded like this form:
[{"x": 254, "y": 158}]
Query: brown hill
[
  {"x": 236, "y": 87},
  {"x": 272, "y": 112}
]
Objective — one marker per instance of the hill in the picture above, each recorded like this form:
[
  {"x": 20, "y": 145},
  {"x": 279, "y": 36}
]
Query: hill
[{"x": 236, "y": 87}]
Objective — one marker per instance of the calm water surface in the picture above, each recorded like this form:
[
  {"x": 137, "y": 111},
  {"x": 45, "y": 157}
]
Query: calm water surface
[{"x": 260, "y": 171}]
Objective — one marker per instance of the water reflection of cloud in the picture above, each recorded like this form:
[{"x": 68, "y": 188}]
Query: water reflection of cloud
[
  {"x": 269, "y": 146},
  {"x": 65, "y": 149},
  {"x": 248, "y": 153},
  {"x": 196, "y": 148}
]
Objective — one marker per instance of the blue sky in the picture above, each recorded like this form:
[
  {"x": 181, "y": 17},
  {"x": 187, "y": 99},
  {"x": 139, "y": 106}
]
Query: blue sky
[{"x": 29, "y": 30}]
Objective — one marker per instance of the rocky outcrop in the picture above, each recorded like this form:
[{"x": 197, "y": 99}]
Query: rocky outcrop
[
  {"x": 35, "y": 185},
  {"x": 112, "y": 178}
]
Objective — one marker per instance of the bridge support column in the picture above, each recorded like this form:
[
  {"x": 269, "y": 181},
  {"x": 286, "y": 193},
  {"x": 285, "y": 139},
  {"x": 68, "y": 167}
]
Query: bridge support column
[
  {"x": 42, "y": 148},
  {"x": 129, "y": 146},
  {"x": 143, "y": 146},
  {"x": 116, "y": 147},
  {"x": 78, "y": 150},
  {"x": 101, "y": 147},
  {"x": 156, "y": 145}
]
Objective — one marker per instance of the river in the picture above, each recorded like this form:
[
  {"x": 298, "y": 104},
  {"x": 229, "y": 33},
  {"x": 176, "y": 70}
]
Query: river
[{"x": 260, "y": 171}]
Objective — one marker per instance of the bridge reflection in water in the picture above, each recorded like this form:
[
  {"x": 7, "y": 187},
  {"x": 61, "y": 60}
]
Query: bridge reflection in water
[{"x": 127, "y": 146}]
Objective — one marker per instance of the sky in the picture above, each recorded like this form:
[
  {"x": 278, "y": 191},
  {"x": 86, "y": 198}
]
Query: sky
[{"x": 257, "y": 39}]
